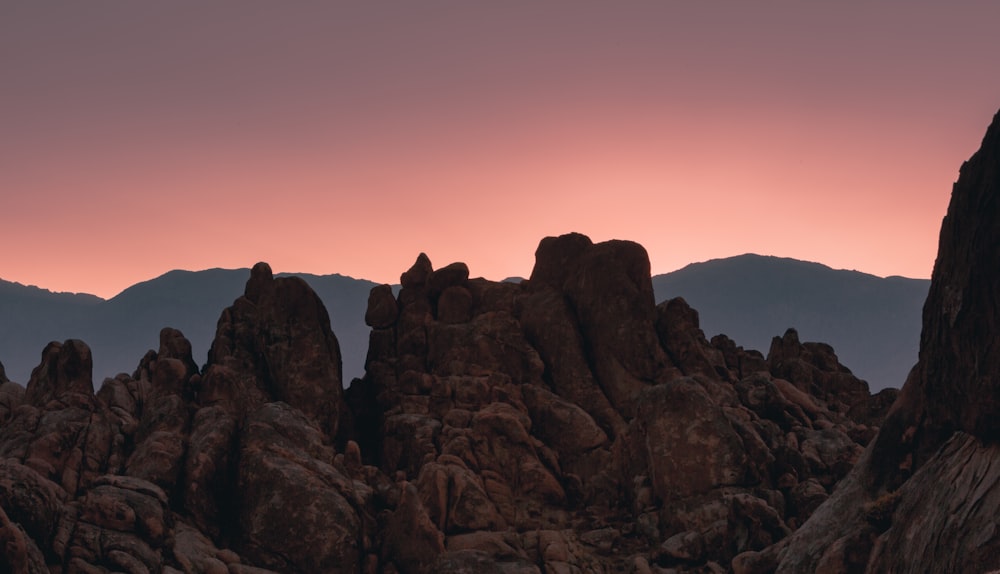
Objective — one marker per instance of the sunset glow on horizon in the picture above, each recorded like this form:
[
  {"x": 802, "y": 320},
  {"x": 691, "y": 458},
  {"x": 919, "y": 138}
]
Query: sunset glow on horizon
[{"x": 348, "y": 138}]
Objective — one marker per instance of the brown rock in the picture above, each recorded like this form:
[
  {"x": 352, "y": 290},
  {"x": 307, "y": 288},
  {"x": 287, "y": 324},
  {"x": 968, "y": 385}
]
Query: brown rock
[
  {"x": 294, "y": 513},
  {"x": 569, "y": 430},
  {"x": 30, "y": 500},
  {"x": 610, "y": 288},
  {"x": 679, "y": 330},
  {"x": 806, "y": 497},
  {"x": 65, "y": 368},
  {"x": 551, "y": 327},
  {"x": 277, "y": 339},
  {"x": 382, "y": 309},
  {"x": 121, "y": 525},
  {"x": 937, "y": 447},
  {"x": 814, "y": 367},
  {"x": 687, "y": 440},
  {"x": 555, "y": 257},
  {"x": 208, "y": 495},
  {"x": 127, "y": 504},
  {"x": 455, "y": 498},
  {"x": 453, "y": 275},
  {"x": 196, "y": 553},
  {"x": 11, "y": 397},
  {"x": 62, "y": 431},
  {"x": 955, "y": 376},
  {"x": 174, "y": 345},
  {"x": 455, "y": 305},
  {"x": 18, "y": 552},
  {"x": 755, "y": 524},
  {"x": 161, "y": 434},
  {"x": 417, "y": 275},
  {"x": 411, "y": 540}
]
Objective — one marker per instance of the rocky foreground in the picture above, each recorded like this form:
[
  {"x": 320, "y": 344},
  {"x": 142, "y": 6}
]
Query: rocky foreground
[{"x": 564, "y": 424}]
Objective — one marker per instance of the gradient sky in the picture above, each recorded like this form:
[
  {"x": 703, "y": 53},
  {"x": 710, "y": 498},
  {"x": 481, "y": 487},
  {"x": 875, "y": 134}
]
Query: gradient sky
[{"x": 139, "y": 137}]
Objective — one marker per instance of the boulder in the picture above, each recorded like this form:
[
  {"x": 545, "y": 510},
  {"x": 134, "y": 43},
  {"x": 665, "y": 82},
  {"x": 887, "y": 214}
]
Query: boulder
[
  {"x": 690, "y": 445},
  {"x": 65, "y": 368},
  {"x": 294, "y": 508},
  {"x": 277, "y": 338}
]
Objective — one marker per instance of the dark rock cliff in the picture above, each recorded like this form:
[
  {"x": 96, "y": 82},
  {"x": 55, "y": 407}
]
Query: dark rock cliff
[{"x": 924, "y": 497}]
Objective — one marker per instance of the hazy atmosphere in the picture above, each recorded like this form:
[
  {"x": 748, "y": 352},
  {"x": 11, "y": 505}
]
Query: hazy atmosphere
[{"x": 348, "y": 137}]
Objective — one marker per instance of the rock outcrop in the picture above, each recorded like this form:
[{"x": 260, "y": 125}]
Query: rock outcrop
[
  {"x": 924, "y": 497},
  {"x": 177, "y": 470},
  {"x": 566, "y": 423},
  {"x": 572, "y": 412}
]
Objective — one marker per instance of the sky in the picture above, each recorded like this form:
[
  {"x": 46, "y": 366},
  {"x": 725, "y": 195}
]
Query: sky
[{"x": 347, "y": 137}]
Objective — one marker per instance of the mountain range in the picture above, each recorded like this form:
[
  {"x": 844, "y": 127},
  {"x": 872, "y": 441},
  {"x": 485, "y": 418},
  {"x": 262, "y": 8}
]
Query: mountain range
[{"x": 872, "y": 322}]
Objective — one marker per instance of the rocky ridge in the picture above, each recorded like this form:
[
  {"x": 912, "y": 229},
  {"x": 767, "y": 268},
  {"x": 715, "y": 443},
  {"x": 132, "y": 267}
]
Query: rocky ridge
[
  {"x": 558, "y": 425},
  {"x": 565, "y": 424}
]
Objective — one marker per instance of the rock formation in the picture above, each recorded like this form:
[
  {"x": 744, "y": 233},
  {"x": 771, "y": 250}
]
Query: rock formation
[
  {"x": 568, "y": 423},
  {"x": 177, "y": 470},
  {"x": 565, "y": 423},
  {"x": 925, "y": 495}
]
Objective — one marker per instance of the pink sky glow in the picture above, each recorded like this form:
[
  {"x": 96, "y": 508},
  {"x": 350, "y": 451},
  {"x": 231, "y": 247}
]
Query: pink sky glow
[{"x": 349, "y": 137}]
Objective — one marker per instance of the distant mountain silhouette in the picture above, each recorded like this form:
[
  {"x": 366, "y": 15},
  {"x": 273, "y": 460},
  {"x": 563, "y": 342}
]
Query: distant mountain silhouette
[
  {"x": 120, "y": 330},
  {"x": 31, "y": 317},
  {"x": 873, "y": 323}
]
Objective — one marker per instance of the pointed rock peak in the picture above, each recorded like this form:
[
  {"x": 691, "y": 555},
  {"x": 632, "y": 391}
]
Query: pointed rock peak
[
  {"x": 784, "y": 347},
  {"x": 959, "y": 358},
  {"x": 382, "y": 308},
  {"x": 260, "y": 278},
  {"x": 65, "y": 367},
  {"x": 277, "y": 344},
  {"x": 261, "y": 271},
  {"x": 554, "y": 256},
  {"x": 174, "y": 345},
  {"x": 417, "y": 275},
  {"x": 677, "y": 310},
  {"x": 3, "y": 375},
  {"x": 791, "y": 337}
]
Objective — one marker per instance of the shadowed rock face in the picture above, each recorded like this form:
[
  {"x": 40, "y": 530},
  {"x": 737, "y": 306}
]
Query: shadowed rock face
[{"x": 925, "y": 495}]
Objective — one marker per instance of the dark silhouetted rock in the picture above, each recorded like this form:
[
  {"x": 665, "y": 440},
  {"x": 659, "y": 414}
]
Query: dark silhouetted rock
[
  {"x": 925, "y": 489},
  {"x": 382, "y": 308},
  {"x": 277, "y": 340},
  {"x": 65, "y": 368},
  {"x": 559, "y": 424},
  {"x": 680, "y": 335}
]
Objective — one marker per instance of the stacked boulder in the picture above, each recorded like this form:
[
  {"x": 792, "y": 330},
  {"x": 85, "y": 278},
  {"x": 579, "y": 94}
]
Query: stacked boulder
[
  {"x": 562, "y": 424},
  {"x": 175, "y": 469},
  {"x": 567, "y": 423}
]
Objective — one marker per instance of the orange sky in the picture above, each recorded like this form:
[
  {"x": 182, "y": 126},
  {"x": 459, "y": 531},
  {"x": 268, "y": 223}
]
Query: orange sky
[{"x": 347, "y": 137}]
